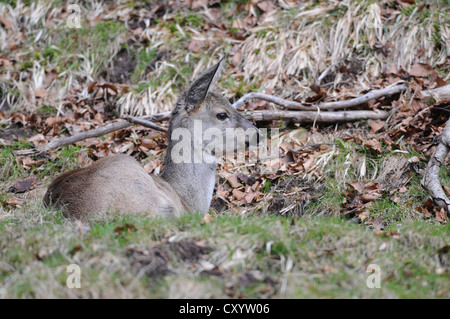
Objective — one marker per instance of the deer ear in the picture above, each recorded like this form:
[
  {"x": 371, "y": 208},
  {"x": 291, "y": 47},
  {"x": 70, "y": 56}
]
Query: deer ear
[{"x": 202, "y": 85}]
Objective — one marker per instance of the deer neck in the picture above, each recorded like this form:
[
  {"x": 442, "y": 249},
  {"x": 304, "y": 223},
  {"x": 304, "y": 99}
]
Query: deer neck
[{"x": 193, "y": 181}]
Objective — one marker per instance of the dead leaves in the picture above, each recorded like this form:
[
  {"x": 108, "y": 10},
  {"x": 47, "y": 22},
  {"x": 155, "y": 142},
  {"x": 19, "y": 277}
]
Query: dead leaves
[
  {"x": 196, "y": 45},
  {"x": 359, "y": 198},
  {"x": 13, "y": 202},
  {"x": 373, "y": 144},
  {"x": 425, "y": 70},
  {"x": 40, "y": 93},
  {"x": 369, "y": 142},
  {"x": 244, "y": 189},
  {"x": 4, "y": 61},
  {"x": 207, "y": 218},
  {"x": 421, "y": 70},
  {"x": 6, "y": 21},
  {"x": 376, "y": 126},
  {"x": 24, "y": 185},
  {"x": 124, "y": 229},
  {"x": 266, "y": 6},
  {"x": 429, "y": 209}
]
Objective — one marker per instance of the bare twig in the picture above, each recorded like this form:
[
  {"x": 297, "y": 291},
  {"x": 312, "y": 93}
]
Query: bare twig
[
  {"x": 430, "y": 179},
  {"x": 439, "y": 94},
  {"x": 107, "y": 129},
  {"x": 372, "y": 95},
  {"x": 320, "y": 117},
  {"x": 145, "y": 123},
  {"x": 84, "y": 135},
  {"x": 159, "y": 117}
]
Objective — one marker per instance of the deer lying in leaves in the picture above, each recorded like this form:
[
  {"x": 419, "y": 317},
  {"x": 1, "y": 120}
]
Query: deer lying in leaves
[{"x": 119, "y": 183}]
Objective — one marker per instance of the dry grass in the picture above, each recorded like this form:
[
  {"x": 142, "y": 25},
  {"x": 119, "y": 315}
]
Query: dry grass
[{"x": 275, "y": 56}]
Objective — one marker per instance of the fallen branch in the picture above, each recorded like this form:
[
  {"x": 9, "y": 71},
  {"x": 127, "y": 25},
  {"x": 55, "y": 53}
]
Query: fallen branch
[
  {"x": 159, "y": 117},
  {"x": 311, "y": 113},
  {"x": 372, "y": 95},
  {"x": 145, "y": 123},
  {"x": 107, "y": 129},
  {"x": 439, "y": 94},
  {"x": 84, "y": 135},
  {"x": 319, "y": 117},
  {"x": 430, "y": 179}
]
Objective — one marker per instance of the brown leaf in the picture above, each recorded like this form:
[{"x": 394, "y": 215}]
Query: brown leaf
[
  {"x": 373, "y": 144},
  {"x": 91, "y": 86},
  {"x": 378, "y": 232},
  {"x": 376, "y": 126},
  {"x": 308, "y": 163},
  {"x": 320, "y": 95},
  {"x": 441, "y": 215},
  {"x": 377, "y": 223},
  {"x": 4, "y": 61},
  {"x": 266, "y": 6},
  {"x": 369, "y": 197},
  {"x": 40, "y": 93},
  {"x": 126, "y": 228},
  {"x": 13, "y": 202},
  {"x": 238, "y": 194},
  {"x": 196, "y": 4},
  {"x": 236, "y": 59},
  {"x": 421, "y": 70},
  {"x": 359, "y": 187},
  {"x": 29, "y": 163},
  {"x": 447, "y": 190},
  {"x": 196, "y": 45},
  {"x": 6, "y": 21},
  {"x": 24, "y": 185},
  {"x": 233, "y": 180},
  {"x": 242, "y": 177},
  {"x": 49, "y": 78},
  {"x": 392, "y": 70},
  {"x": 206, "y": 219},
  {"x": 149, "y": 143},
  {"x": 426, "y": 208}
]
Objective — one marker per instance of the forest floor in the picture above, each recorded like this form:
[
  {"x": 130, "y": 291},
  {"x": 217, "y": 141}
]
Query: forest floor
[{"x": 343, "y": 199}]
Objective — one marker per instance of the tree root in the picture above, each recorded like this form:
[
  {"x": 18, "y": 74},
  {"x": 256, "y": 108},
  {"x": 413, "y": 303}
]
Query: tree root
[{"x": 430, "y": 179}]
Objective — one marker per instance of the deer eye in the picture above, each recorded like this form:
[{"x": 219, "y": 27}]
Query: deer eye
[{"x": 222, "y": 116}]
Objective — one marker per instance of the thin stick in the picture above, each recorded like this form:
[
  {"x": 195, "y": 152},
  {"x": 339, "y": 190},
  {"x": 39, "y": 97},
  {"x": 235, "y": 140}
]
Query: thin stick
[
  {"x": 319, "y": 117},
  {"x": 372, "y": 95},
  {"x": 105, "y": 130},
  {"x": 99, "y": 131},
  {"x": 439, "y": 94},
  {"x": 430, "y": 179},
  {"x": 145, "y": 123},
  {"x": 159, "y": 117}
]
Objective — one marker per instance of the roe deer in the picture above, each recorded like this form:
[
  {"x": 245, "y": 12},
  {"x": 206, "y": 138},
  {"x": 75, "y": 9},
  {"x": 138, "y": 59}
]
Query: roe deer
[{"x": 119, "y": 183}]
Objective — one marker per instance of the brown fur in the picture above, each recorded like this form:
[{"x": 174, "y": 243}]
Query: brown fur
[{"x": 116, "y": 182}]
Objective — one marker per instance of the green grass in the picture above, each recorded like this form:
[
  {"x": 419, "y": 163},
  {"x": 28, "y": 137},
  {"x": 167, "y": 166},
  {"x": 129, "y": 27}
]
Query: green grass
[{"x": 283, "y": 257}]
